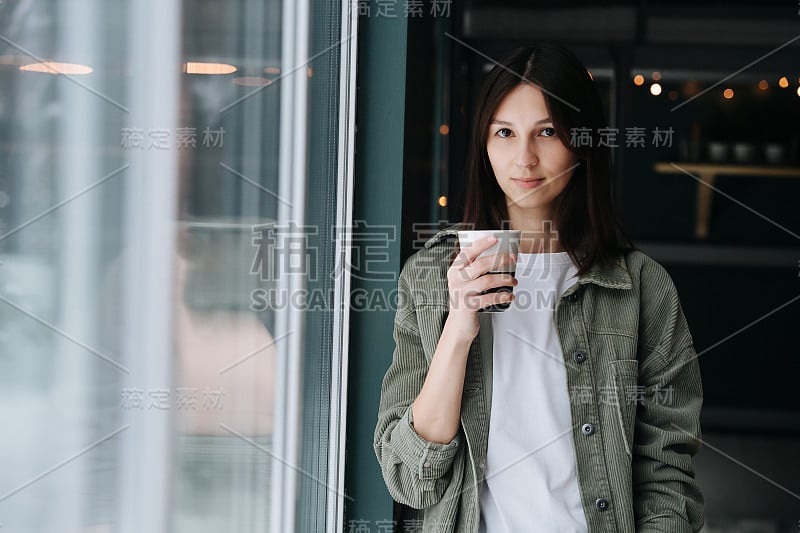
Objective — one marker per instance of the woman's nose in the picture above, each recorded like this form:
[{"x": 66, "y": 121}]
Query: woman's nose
[{"x": 526, "y": 157}]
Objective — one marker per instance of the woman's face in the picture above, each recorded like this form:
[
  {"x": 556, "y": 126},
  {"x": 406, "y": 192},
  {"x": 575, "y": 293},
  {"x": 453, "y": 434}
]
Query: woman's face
[{"x": 531, "y": 164}]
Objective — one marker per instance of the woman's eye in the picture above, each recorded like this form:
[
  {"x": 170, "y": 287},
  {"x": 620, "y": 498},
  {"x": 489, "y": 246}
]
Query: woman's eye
[
  {"x": 503, "y": 132},
  {"x": 549, "y": 132}
]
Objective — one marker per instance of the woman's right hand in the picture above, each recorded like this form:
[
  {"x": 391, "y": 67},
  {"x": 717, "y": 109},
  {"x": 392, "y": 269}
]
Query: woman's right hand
[{"x": 466, "y": 281}]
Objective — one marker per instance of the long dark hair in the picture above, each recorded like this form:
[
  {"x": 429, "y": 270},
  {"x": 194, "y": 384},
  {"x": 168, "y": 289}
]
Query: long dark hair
[{"x": 584, "y": 214}]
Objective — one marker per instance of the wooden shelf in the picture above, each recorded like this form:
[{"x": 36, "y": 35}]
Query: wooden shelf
[{"x": 708, "y": 172}]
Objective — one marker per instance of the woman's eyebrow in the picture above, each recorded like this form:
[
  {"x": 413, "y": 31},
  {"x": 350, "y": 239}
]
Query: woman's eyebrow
[{"x": 504, "y": 123}]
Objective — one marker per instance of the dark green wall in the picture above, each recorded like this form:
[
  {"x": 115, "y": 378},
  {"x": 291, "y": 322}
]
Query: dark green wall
[{"x": 377, "y": 202}]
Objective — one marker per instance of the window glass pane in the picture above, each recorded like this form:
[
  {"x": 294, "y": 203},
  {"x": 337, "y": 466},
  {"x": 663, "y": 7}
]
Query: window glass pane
[
  {"x": 225, "y": 354},
  {"x": 160, "y": 215},
  {"x": 62, "y": 176}
]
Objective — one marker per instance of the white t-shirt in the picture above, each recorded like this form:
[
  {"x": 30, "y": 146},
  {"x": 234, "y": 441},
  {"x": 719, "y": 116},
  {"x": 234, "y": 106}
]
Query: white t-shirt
[{"x": 531, "y": 475}]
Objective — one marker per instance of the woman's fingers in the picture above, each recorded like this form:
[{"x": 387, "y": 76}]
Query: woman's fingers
[
  {"x": 491, "y": 263},
  {"x": 468, "y": 254},
  {"x": 475, "y": 294},
  {"x": 495, "y": 298},
  {"x": 493, "y": 281}
]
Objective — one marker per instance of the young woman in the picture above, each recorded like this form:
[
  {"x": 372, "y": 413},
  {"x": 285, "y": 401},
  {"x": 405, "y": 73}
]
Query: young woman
[{"x": 577, "y": 409}]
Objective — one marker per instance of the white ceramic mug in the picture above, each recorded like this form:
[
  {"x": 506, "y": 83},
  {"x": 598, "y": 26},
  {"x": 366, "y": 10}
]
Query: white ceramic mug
[{"x": 507, "y": 242}]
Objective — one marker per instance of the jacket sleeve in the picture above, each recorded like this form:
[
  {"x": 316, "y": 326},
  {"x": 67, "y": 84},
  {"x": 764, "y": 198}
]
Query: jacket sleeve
[
  {"x": 666, "y": 495},
  {"x": 416, "y": 471}
]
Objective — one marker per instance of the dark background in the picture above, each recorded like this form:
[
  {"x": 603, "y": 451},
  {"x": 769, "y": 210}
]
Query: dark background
[{"x": 739, "y": 284}]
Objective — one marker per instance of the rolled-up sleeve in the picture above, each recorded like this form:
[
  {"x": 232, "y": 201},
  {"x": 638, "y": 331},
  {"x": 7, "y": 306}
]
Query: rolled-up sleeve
[
  {"x": 431, "y": 460},
  {"x": 666, "y": 495}
]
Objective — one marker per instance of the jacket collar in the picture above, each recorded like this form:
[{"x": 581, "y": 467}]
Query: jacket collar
[{"x": 613, "y": 276}]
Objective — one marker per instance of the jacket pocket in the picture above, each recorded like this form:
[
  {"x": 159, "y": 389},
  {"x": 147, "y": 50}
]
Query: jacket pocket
[{"x": 626, "y": 373}]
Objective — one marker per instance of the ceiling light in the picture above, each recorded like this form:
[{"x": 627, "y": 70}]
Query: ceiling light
[
  {"x": 196, "y": 67},
  {"x": 54, "y": 67}
]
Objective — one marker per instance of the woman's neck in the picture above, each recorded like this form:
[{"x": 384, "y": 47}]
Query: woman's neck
[{"x": 538, "y": 236}]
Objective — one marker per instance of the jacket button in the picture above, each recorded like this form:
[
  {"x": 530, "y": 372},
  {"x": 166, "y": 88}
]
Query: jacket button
[
  {"x": 427, "y": 465},
  {"x": 587, "y": 429},
  {"x": 579, "y": 357},
  {"x": 601, "y": 504}
]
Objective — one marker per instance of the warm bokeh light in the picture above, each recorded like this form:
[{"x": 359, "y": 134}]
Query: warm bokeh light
[
  {"x": 655, "y": 89},
  {"x": 763, "y": 85},
  {"x": 310, "y": 71},
  {"x": 728, "y": 94},
  {"x": 272, "y": 70},
  {"x": 443, "y": 201},
  {"x": 196, "y": 67},
  {"x": 656, "y": 75},
  {"x": 54, "y": 67},
  {"x": 444, "y": 129},
  {"x": 690, "y": 88},
  {"x": 672, "y": 95},
  {"x": 251, "y": 81},
  {"x": 638, "y": 79},
  {"x": 798, "y": 91},
  {"x": 783, "y": 82},
  {"x": 590, "y": 74}
]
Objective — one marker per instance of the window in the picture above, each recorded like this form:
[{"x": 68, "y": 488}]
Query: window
[{"x": 172, "y": 183}]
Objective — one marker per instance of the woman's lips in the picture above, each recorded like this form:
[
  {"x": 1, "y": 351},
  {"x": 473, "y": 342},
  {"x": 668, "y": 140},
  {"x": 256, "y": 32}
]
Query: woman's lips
[{"x": 528, "y": 183}]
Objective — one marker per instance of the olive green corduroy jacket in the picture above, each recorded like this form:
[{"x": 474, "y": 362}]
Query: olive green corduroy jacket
[{"x": 627, "y": 350}]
